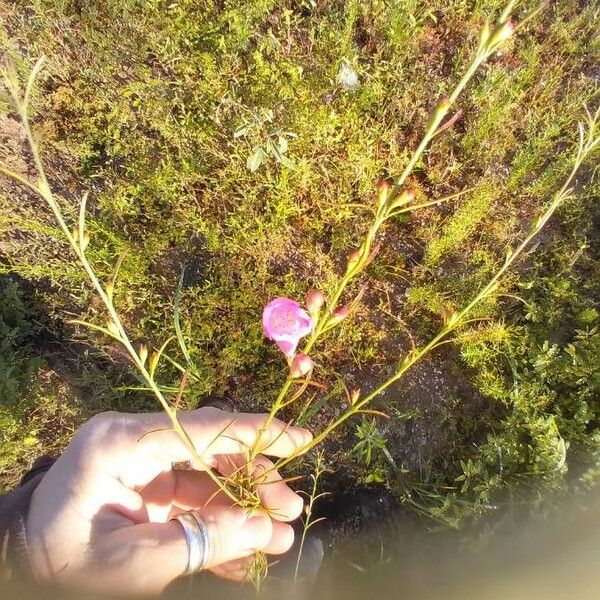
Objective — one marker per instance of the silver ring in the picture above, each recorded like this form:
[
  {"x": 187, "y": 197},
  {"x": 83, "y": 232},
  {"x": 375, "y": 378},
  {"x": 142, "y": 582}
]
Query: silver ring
[
  {"x": 203, "y": 527},
  {"x": 196, "y": 537}
]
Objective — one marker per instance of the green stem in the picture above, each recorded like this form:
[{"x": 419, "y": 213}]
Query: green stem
[
  {"x": 44, "y": 190},
  {"x": 382, "y": 214},
  {"x": 459, "y": 318},
  {"x": 436, "y": 121},
  {"x": 319, "y": 469}
]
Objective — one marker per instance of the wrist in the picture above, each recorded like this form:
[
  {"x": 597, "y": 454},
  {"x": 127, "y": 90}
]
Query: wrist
[{"x": 14, "y": 548}]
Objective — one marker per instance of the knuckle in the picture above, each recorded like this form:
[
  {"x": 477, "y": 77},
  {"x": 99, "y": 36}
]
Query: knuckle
[
  {"x": 103, "y": 425},
  {"x": 99, "y": 431},
  {"x": 263, "y": 531}
]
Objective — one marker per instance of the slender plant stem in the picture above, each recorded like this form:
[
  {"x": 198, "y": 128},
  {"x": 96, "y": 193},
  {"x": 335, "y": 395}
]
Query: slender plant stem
[
  {"x": 586, "y": 147},
  {"x": 437, "y": 119},
  {"x": 308, "y": 522},
  {"x": 388, "y": 208},
  {"x": 78, "y": 244}
]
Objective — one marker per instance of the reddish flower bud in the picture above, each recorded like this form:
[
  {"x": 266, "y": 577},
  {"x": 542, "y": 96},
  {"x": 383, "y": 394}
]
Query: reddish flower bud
[
  {"x": 301, "y": 365},
  {"x": 353, "y": 258},
  {"x": 383, "y": 191},
  {"x": 405, "y": 197},
  {"x": 314, "y": 300},
  {"x": 384, "y": 186},
  {"x": 443, "y": 104},
  {"x": 409, "y": 194},
  {"x": 341, "y": 312},
  {"x": 338, "y": 315}
]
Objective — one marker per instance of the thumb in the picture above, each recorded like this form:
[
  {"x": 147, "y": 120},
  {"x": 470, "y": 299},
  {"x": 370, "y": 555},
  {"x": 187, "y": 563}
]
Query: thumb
[{"x": 145, "y": 558}]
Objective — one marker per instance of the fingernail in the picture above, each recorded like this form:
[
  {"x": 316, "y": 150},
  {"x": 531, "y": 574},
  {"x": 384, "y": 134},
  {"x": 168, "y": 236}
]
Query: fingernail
[{"x": 308, "y": 436}]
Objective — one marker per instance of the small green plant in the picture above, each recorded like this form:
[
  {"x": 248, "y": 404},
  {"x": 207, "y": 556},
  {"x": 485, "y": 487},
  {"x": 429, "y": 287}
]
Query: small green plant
[
  {"x": 550, "y": 411},
  {"x": 273, "y": 141},
  {"x": 308, "y": 522},
  {"x": 371, "y": 442}
]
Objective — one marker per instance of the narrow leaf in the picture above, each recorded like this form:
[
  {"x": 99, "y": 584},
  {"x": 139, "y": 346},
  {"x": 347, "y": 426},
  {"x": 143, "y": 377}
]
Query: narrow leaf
[{"x": 31, "y": 81}]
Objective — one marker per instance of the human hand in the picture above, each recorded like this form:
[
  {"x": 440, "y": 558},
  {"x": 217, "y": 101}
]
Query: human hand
[{"x": 99, "y": 519}]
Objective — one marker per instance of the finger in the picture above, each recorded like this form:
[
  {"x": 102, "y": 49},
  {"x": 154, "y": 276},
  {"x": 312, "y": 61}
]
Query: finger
[
  {"x": 158, "y": 497},
  {"x": 236, "y": 570},
  {"x": 193, "y": 490},
  {"x": 214, "y": 431},
  {"x": 280, "y": 501},
  {"x": 142, "y": 559},
  {"x": 277, "y": 498},
  {"x": 154, "y": 501},
  {"x": 142, "y": 446},
  {"x": 233, "y": 533},
  {"x": 282, "y": 539},
  {"x": 241, "y": 569},
  {"x": 145, "y": 558}
]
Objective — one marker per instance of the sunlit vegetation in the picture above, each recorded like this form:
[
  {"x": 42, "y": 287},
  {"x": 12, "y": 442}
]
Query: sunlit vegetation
[{"x": 240, "y": 144}]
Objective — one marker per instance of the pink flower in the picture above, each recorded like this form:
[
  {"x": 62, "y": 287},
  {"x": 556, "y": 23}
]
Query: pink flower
[{"x": 285, "y": 322}]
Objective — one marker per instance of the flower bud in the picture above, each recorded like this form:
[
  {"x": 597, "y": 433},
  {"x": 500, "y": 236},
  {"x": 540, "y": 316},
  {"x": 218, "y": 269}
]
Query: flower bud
[
  {"x": 439, "y": 112},
  {"x": 484, "y": 36},
  {"x": 85, "y": 240},
  {"x": 301, "y": 365},
  {"x": 501, "y": 34},
  {"x": 353, "y": 259},
  {"x": 339, "y": 314},
  {"x": 314, "y": 301},
  {"x": 404, "y": 198},
  {"x": 383, "y": 191},
  {"x": 110, "y": 290},
  {"x": 143, "y": 353},
  {"x": 153, "y": 362},
  {"x": 384, "y": 186},
  {"x": 354, "y": 396}
]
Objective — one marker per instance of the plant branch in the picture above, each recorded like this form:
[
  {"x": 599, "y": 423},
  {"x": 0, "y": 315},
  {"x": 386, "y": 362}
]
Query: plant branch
[
  {"x": 78, "y": 240},
  {"x": 589, "y": 142},
  {"x": 395, "y": 201}
]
